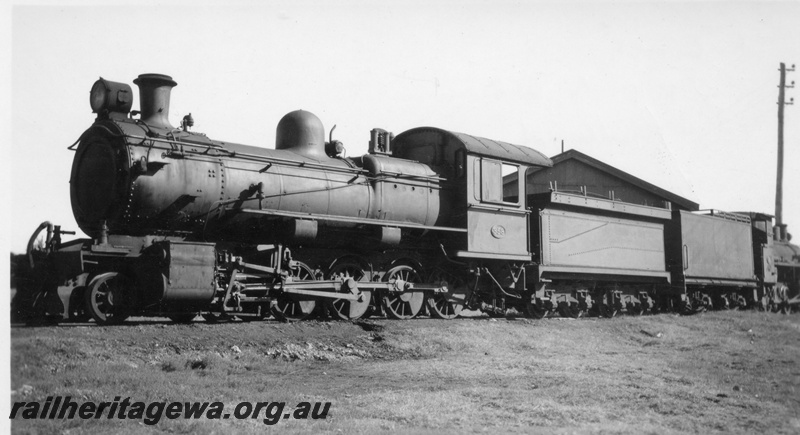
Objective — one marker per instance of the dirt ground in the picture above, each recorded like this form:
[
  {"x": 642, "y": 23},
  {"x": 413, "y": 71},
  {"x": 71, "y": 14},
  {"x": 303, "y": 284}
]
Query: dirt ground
[{"x": 724, "y": 372}]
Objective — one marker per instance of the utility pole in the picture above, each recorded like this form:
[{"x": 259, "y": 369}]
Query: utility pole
[{"x": 779, "y": 185}]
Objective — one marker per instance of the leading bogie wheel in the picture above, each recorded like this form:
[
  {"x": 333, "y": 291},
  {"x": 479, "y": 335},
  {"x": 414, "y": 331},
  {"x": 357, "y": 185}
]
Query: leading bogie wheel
[
  {"x": 105, "y": 299},
  {"x": 293, "y": 308},
  {"x": 257, "y": 313},
  {"x": 407, "y": 304},
  {"x": 345, "y": 309},
  {"x": 77, "y": 309}
]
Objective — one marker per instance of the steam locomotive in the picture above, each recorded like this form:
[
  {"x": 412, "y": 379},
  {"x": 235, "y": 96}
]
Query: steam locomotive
[{"x": 181, "y": 225}]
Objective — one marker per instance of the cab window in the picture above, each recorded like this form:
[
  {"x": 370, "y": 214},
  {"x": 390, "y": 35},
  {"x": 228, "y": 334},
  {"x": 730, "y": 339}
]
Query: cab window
[{"x": 493, "y": 174}]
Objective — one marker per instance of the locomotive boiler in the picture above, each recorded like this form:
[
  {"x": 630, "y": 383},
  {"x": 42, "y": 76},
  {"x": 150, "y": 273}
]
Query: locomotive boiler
[{"x": 146, "y": 177}]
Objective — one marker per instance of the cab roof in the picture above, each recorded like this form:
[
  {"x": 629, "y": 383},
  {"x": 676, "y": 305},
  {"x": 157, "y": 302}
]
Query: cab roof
[{"x": 485, "y": 147}]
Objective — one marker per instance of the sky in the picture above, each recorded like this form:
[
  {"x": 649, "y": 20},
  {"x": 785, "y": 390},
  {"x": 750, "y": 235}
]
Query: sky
[{"x": 680, "y": 94}]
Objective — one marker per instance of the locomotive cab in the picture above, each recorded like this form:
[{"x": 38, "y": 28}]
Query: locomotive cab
[{"x": 496, "y": 226}]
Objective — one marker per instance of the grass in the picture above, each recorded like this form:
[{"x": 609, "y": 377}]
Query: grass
[{"x": 726, "y": 372}]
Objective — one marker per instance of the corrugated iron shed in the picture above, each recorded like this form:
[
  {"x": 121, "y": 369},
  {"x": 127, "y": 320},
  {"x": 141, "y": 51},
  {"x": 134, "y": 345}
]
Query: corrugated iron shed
[{"x": 573, "y": 170}]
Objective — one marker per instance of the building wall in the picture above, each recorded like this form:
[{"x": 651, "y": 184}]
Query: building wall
[{"x": 571, "y": 175}]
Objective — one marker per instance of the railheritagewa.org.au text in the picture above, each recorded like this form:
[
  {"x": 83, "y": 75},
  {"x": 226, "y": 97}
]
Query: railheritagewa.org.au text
[{"x": 64, "y": 407}]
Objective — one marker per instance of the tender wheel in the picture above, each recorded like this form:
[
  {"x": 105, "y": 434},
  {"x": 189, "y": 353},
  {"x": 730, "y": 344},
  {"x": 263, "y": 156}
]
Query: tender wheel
[
  {"x": 741, "y": 302},
  {"x": 183, "y": 317},
  {"x": 687, "y": 307},
  {"x": 608, "y": 305},
  {"x": 763, "y": 304},
  {"x": 608, "y": 311},
  {"x": 494, "y": 314},
  {"x": 566, "y": 309},
  {"x": 105, "y": 299},
  {"x": 635, "y": 309},
  {"x": 781, "y": 300},
  {"x": 344, "y": 309},
  {"x": 722, "y": 302},
  {"x": 705, "y": 303},
  {"x": 405, "y": 305},
  {"x": 448, "y": 305},
  {"x": 535, "y": 310},
  {"x": 293, "y": 308}
]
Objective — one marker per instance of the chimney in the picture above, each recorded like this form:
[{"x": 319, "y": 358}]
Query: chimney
[
  {"x": 782, "y": 233},
  {"x": 154, "y": 91}
]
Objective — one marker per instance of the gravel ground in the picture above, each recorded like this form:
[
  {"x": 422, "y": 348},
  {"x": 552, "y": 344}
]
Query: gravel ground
[{"x": 725, "y": 372}]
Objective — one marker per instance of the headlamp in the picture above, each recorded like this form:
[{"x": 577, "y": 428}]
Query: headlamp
[{"x": 110, "y": 97}]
